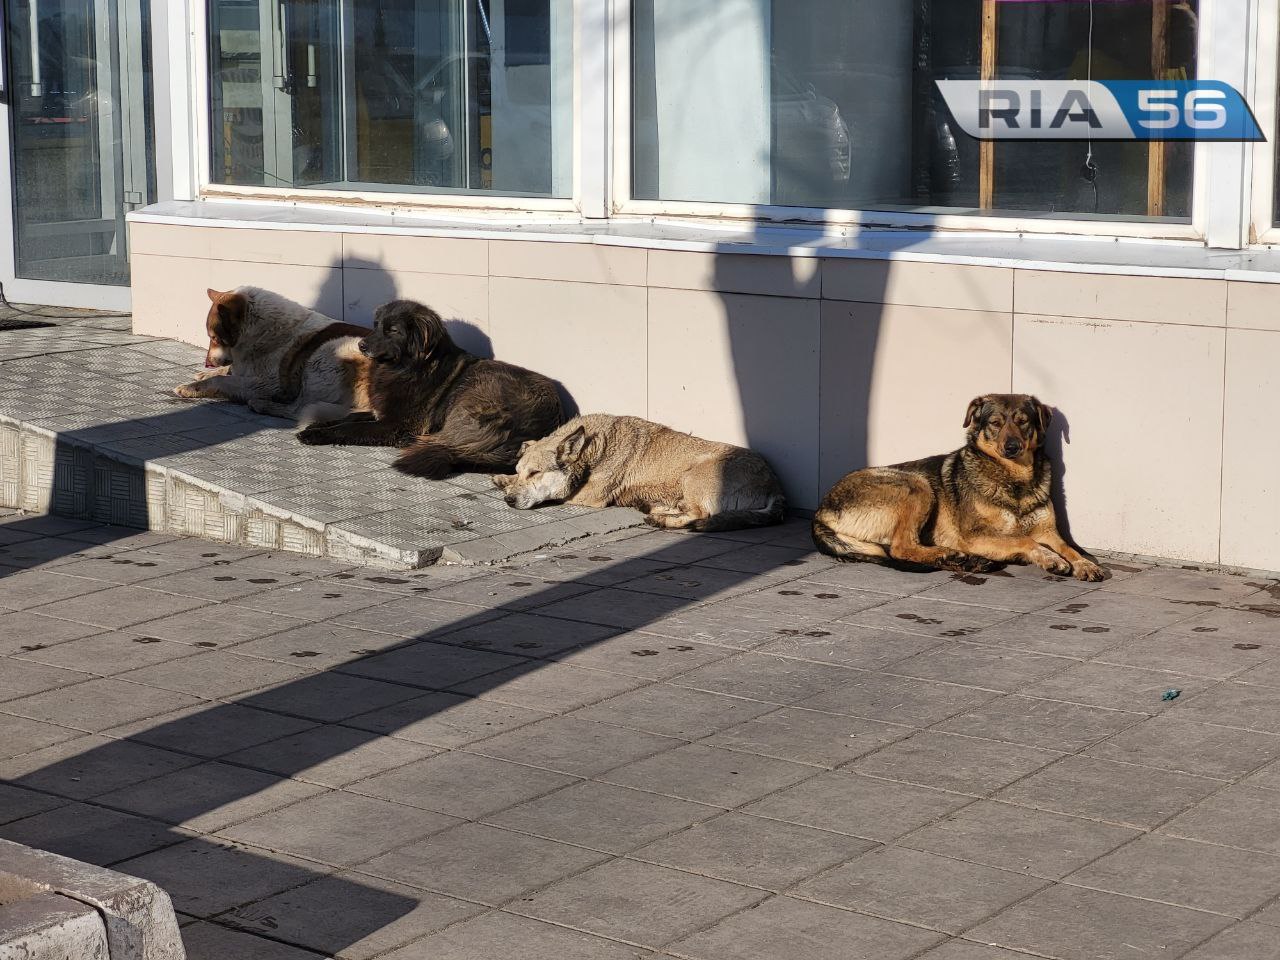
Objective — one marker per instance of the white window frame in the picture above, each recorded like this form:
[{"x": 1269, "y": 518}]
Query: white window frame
[
  {"x": 1263, "y": 98},
  {"x": 455, "y": 203},
  {"x": 1228, "y": 188}
]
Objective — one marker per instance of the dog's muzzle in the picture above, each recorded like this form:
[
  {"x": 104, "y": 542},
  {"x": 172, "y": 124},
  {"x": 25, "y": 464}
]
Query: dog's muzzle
[{"x": 1012, "y": 448}]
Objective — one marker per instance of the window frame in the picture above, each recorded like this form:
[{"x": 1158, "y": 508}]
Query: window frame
[
  {"x": 408, "y": 201},
  {"x": 1231, "y": 183}
]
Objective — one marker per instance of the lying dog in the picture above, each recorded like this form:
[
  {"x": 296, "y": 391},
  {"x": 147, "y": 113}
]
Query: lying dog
[
  {"x": 279, "y": 357},
  {"x": 986, "y": 503},
  {"x": 448, "y": 408},
  {"x": 679, "y": 481}
]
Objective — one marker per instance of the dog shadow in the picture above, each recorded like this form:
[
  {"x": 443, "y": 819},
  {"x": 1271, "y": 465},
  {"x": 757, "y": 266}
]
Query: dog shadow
[{"x": 1058, "y": 436}]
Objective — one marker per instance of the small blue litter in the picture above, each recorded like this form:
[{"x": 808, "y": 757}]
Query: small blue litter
[{"x": 1172, "y": 694}]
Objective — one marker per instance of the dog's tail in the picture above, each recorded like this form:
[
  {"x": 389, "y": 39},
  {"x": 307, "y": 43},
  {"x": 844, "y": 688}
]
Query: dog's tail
[
  {"x": 483, "y": 444},
  {"x": 772, "y": 512},
  {"x": 828, "y": 542}
]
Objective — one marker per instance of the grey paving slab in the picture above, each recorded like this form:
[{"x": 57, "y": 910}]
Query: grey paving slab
[
  {"x": 90, "y": 833},
  {"x": 1198, "y": 875},
  {"x": 1041, "y": 723},
  {"x": 32, "y": 588},
  {"x": 989, "y": 667},
  {"x": 787, "y": 929},
  {"x": 1239, "y": 815},
  {"x": 578, "y": 747},
  {"x": 905, "y": 700},
  {"x": 1015, "y": 838},
  {"x": 859, "y": 806},
  {"x": 234, "y": 625},
  {"x": 1240, "y": 941},
  {"x": 1049, "y": 924},
  {"x": 338, "y": 828},
  {"x": 120, "y": 607},
  {"x": 638, "y": 902},
  {"x": 89, "y": 766},
  {"x": 674, "y": 711},
  {"x": 553, "y": 691},
  {"x": 1187, "y": 746},
  {"x": 108, "y": 654},
  {"x": 705, "y": 774},
  {"x": 949, "y": 762},
  {"x": 211, "y": 730},
  {"x": 208, "y": 796},
  {"x": 446, "y": 720},
  {"x": 99, "y": 704},
  {"x": 331, "y": 755},
  {"x": 807, "y": 736},
  {"x": 19, "y": 735},
  {"x": 602, "y": 816},
  {"x": 919, "y": 888},
  {"x": 526, "y": 635},
  {"x": 22, "y": 678},
  {"x": 1116, "y": 792},
  {"x": 753, "y": 851},
  {"x": 934, "y": 618},
  {"x": 462, "y": 784},
  {"x": 643, "y": 655},
  {"x": 1235, "y": 705},
  {"x": 1118, "y": 688},
  {"x": 846, "y": 645},
  {"x": 768, "y": 679},
  {"x": 211, "y": 673},
  {"x": 349, "y": 915},
  {"x": 492, "y": 935},
  {"x": 17, "y": 803},
  {"x": 326, "y": 697},
  {"x": 481, "y": 863},
  {"x": 433, "y": 665}
]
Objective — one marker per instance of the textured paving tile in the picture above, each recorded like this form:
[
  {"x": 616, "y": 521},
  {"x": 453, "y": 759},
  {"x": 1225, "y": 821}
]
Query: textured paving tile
[
  {"x": 1239, "y": 815},
  {"x": 207, "y": 941},
  {"x": 638, "y": 902},
  {"x": 331, "y": 755},
  {"x": 919, "y": 888},
  {"x": 33, "y": 588},
  {"x": 847, "y": 645},
  {"x": 22, "y": 631},
  {"x": 492, "y": 935},
  {"x": 776, "y": 680},
  {"x": 602, "y": 816},
  {"x": 19, "y": 735},
  {"x": 462, "y": 785},
  {"x": 673, "y": 711},
  {"x": 904, "y": 700},
  {"x": 211, "y": 673},
  {"x": 90, "y": 833},
  {"x": 99, "y": 704},
  {"x": 1102, "y": 790},
  {"x": 17, "y": 803},
  {"x": 338, "y": 828},
  {"x": 859, "y": 806},
  {"x": 120, "y": 607},
  {"x": 1172, "y": 743},
  {"x": 1041, "y": 723},
  {"x": 949, "y": 762},
  {"x": 211, "y": 730},
  {"x": 21, "y": 678},
  {"x": 753, "y": 851},
  {"x": 445, "y": 719},
  {"x": 208, "y": 796},
  {"x": 108, "y": 654},
  {"x": 91, "y": 765},
  {"x": 1049, "y": 924},
  {"x": 1117, "y": 688},
  {"x": 1198, "y": 875},
  {"x": 806, "y": 736},
  {"x": 638, "y": 654},
  {"x": 1242, "y": 940},
  {"x": 1235, "y": 705},
  {"x": 787, "y": 929},
  {"x": 351, "y": 915},
  {"x": 989, "y": 667},
  {"x": 706, "y": 775},
  {"x": 554, "y": 691},
  {"x": 935, "y": 618},
  {"x": 481, "y": 863},
  {"x": 580, "y": 748},
  {"x": 1016, "y": 838}
]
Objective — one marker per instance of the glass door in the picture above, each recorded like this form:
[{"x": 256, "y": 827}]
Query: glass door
[{"x": 79, "y": 99}]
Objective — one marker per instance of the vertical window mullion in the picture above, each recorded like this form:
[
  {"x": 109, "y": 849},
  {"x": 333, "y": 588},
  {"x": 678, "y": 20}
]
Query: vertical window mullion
[{"x": 1226, "y": 52}]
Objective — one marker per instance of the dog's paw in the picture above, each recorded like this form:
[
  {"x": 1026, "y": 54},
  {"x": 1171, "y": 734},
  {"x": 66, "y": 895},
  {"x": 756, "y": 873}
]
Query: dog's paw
[
  {"x": 188, "y": 391},
  {"x": 1050, "y": 562},
  {"x": 312, "y": 437},
  {"x": 1088, "y": 570},
  {"x": 501, "y": 480},
  {"x": 965, "y": 562}
]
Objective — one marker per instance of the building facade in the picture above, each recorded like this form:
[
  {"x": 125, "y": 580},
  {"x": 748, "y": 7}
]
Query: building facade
[{"x": 751, "y": 219}]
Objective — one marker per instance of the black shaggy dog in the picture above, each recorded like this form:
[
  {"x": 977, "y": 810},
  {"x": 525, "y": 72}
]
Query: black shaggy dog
[{"x": 447, "y": 408}]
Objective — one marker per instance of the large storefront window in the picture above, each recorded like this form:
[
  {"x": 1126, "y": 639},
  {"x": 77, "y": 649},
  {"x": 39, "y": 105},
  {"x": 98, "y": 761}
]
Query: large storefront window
[
  {"x": 442, "y": 96},
  {"x": 832, "y": 103}
]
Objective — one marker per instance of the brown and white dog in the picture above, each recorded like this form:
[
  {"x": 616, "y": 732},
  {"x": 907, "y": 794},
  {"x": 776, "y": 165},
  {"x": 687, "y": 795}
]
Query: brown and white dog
[{"x": 280, "y": 358}]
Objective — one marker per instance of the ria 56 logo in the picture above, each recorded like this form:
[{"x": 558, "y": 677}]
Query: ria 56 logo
[{"x": 1100, "y": 110}]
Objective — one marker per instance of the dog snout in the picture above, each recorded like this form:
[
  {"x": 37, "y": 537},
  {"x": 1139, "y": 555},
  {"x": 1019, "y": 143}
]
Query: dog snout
[
  {"x": 1012, "y": 447},
  {"x": 512, "y": 501}
]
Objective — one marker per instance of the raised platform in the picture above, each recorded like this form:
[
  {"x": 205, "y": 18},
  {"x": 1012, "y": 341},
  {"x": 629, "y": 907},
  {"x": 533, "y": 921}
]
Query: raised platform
[{"x": 89, "y": 428}]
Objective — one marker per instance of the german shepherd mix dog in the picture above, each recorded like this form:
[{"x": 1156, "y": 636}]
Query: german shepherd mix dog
[
  {"x": 679, "y": 481},
  {"x": 987, "y": 503},
  {"x": 279, "y": 357},
  {"x": 448, "y": 408}
]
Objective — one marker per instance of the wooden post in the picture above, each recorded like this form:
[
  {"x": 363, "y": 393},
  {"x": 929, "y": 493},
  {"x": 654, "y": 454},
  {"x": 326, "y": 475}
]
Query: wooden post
[
  {"x": 1157, "y": 150},
  {"x": 987, "y": 149}
]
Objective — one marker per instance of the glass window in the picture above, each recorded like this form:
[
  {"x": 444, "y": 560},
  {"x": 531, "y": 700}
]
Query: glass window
[
  {"x": 433, "y": 96},
  {"x": 832, "y": 103}
]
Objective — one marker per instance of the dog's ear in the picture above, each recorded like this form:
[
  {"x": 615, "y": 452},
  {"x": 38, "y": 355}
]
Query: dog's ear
[
  {"x": 230, "y": 309},
  {"x": 974, "y": 406},
  {"x": 434, "y": 333},
  {"x": 571, "y": 447},
  {"x": 214, "y": 295},
  {"x": 1044, "y": 412},
  {"x": 524, "y": 447}
]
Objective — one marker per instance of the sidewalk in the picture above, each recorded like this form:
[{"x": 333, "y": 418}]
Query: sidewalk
[{"x": 647, "y": 744}]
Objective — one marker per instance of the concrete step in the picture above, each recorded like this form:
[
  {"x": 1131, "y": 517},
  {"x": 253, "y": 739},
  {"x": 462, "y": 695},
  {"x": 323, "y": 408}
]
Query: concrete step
[{"x": 89, "y": 428}]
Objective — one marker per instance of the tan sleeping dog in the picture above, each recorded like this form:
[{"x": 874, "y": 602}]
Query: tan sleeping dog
[
  {"x": 679, "y": 481},
  {"x": 280, "y": 358}
]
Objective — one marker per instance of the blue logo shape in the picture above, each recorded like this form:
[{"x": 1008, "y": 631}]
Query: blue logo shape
[{"x": 1184, "y": 110}]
